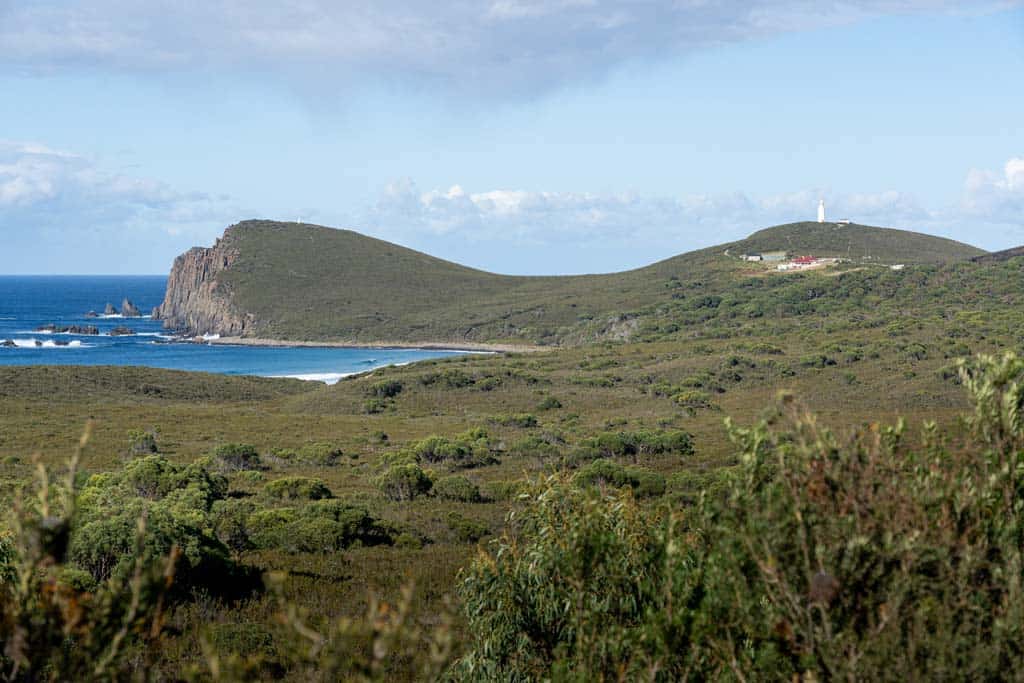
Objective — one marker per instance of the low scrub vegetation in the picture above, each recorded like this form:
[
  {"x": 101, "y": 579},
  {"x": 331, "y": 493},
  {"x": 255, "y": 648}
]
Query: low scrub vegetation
[{"x": 811, "y": 552}]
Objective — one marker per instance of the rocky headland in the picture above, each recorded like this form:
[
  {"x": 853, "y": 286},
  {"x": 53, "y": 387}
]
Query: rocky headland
[{"x": 196, "y": 301}]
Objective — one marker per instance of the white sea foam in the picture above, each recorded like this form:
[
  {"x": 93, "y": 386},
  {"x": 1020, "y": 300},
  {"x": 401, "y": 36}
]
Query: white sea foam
[
  {"x": 325, "y": 377},
  {"x": 211, "y": 337},
  {"x": 48, "y": 344}
]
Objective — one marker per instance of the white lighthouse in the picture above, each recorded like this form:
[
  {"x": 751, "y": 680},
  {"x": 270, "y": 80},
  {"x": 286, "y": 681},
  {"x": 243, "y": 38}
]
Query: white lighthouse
[{"x": 821, "y": 210}]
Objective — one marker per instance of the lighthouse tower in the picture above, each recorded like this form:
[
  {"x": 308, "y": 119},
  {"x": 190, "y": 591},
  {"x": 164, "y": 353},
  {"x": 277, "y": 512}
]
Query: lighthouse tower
[{"x": 821, "y": 210}]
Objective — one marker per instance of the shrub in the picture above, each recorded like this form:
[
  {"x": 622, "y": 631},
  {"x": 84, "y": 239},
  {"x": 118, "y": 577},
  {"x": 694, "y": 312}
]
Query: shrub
[
  {"x": 609, "y": 473},
  {"x": 320, "y": 454},
  {"x": 297, "y": 488},
  {"x": 376, "y": 406},
  {"x": 549, "y": 403},
  {"x": 521, "y": 420},
  {"x": 503, "y": 490},
  {"x": 450, "y": 378},
  {"x": 404, "y": 482},
  {"x": 388, "y": 388},
  {"x": 177, "y": 501},
  {"x": 56, "y": 621},
  {"x": 569, "y": 596},
  {"x": 537, "y": 447},
  {"x": 142, "y": 442},
  {"x": 466, "y": 530},
  {"x": 693, "y": 400},
  {"x": 236, "y": 456},
  {"x": 488, "y": 383},
  {"x": 817, "y": 360},
  {"x": 637, "y": 444},
  {"x": 469, "y": 449},
  {"x": 457, "y": 488}
]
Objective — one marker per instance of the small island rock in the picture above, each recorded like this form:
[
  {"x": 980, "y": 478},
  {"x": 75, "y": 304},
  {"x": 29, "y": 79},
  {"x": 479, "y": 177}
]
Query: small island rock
[
  {"x": 130, "y": 310},
  {"x": 109, "y": 309},
  {"x": 121, "y": 331},
  {"x": 7, "y": 343},
  {"x": 69, "y": 329},
  {"x": 92, "y": 314}
]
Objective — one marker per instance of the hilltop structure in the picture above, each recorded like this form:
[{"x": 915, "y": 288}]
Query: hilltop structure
[{"x": 821, "y": 210}]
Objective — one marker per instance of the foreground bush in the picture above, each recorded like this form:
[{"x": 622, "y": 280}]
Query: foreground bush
[
  {"x": 871, "y": 556},
  {"x": 53, "y": 629},
  {"x": 175, "y": 501}
]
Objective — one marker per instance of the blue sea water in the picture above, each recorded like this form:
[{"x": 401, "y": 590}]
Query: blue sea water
[{"x": 28, "y": 302}]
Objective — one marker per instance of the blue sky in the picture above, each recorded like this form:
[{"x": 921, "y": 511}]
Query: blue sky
[{"x": 521, "y": 136}]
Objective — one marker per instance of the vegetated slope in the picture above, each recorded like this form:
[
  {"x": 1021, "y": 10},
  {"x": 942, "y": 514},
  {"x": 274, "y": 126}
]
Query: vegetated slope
[
  {"x": 305, "y": 282},
  {"x": 856, "y": 242},
  {"x": 996, "y": 256},
  {"x": 78, "y": 383}
]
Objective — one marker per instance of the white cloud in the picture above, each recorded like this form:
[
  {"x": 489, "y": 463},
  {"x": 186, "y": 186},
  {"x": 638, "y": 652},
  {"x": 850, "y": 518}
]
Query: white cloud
[
  {"x": 60, "y": 207},
  {"x": 990, "y": 215},
  {"x": 501, "y": 46},
  {"x": 997, "y": 196}
]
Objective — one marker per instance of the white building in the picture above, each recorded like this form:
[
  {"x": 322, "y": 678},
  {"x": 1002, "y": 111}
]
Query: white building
[{"x": 821, "y": 211}]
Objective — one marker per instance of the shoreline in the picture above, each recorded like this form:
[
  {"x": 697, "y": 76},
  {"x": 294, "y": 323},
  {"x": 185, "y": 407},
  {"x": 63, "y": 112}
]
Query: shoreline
[{"x": 426, "y": 346}]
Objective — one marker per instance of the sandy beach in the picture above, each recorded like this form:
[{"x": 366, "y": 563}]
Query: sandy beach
[{"x": 437, "y": 346}]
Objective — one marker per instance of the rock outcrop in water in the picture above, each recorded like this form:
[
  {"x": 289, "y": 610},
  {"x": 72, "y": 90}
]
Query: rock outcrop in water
[
  {"x": 109, "y": 309},
  {"x": 197, "y": 302},
  {"x": 130, "y": 310},
  {"x": 69, "y": 329},
  {"x": 121, "y": 331}
]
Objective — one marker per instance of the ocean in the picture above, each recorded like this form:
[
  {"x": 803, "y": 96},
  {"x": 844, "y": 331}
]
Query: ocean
[{"x": 29, "y": 302}]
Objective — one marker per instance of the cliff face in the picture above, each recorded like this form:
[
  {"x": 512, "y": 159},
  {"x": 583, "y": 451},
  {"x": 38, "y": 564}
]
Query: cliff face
[{"x": 196, "y": 302}]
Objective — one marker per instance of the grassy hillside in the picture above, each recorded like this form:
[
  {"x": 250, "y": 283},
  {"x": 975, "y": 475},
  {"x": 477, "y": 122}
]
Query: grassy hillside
[
  {"x": 860, "y": 346},
  {"x": 305, "y": 282},
  {"x": 856, "y": 242}
]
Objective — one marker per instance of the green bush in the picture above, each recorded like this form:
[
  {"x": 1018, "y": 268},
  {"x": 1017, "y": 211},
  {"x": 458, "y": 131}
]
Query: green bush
[
  {"x": 176, "y": 501},
  {"x": 320, "y": 454},
  {"x": 457, "y": 488},
  {"x": 388, "y": 388},
  {"x": 375, "y": 406},
  {"x": 236, "y": 456},
  {"x": 604, "y": 472},
  {"x": 404, "y": 482},
  {"x": 549, "y": 403},
  {"x": 142, "y": 442},
  {"x": 568, "y": 597},
  {"x": 636, "y": 444},
  {"x": 469, "y": 449},
  {"x": 297, "y": 488},
  {"x": 466, "y": 530},
  {"x": 450, "y": 378},
  {"x": 537, "y": 447},
  {"x": 521, "y": 420},
  {"x": 57, "y": 622}
]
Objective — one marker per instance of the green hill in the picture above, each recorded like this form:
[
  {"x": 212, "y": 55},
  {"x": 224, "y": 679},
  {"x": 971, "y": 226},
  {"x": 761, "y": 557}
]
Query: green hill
[
  {"x": 303, "y": 282},
  {"x": 856, "y": 242}
]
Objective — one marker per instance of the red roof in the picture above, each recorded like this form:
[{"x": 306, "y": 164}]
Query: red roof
[{"x": 804, "y": 259}]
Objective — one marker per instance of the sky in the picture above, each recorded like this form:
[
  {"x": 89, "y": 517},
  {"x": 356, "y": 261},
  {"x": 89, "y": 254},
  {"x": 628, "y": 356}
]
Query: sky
[{"x": 517, "y": 136}]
